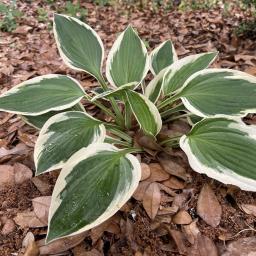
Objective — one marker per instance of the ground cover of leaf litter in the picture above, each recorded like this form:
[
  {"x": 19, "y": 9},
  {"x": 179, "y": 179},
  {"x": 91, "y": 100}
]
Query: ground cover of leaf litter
[{"x": 174, "y": 211}]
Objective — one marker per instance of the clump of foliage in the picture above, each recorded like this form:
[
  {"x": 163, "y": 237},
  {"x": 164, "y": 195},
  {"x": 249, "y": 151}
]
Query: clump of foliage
[
  {"x": 197, "y": 4},
  {"x": 75, "y": 10},
  {"x": 10, "y": 14},
  {"x": 99, "y": 172}
]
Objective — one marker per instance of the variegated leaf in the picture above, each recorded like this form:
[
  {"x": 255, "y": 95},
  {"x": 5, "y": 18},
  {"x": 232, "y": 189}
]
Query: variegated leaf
[
  {"x": 93, "y": 185},
  {"x": 214, "y": 92},
  {"x": 127, "y": 61},
  {"x": 145, "y": 112},
  {"x": 42, "y": 94},
  {"x": 162, "y": 56},
  {"x": 62, "y": 136},
  {"x": 79, "y": 45},
  {"x": 181, "y": 70},
  {"x": 223, "y": 149}
]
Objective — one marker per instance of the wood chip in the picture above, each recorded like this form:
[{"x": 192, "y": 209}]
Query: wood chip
[{"x": 208, "y": 207}]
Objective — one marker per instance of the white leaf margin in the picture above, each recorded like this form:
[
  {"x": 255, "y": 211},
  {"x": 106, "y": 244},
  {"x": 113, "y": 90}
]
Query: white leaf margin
[
  {"x": 153, "y": 110},
  {"x": 115, "y": 205},
  {"x": 177, "y": 65},
  {"x": 37, "y": 80},
  {"x": 224, "y": 175},
  {"x": 236, "y": 74},
  {"x": 156, "y": 50},
  {"x": 44, "y": 136},
  {"x": 115, "y": 48},
  {"x": 153, "y": 83},
  {"x": 65, "y": 59}
]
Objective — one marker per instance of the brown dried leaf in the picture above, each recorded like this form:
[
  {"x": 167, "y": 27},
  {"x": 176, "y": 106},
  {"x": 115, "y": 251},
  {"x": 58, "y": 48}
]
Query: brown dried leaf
[
  {"x": 140, "y": 191},
  {"x": 191, "y": 231},
  {"x": 152, "y": 199},
  {"x": 6, "y": 176},
  {"x": 208, "y": 207},
  {"x": 28, "y": 219},
  {"x": 174, "y": 183},
  {"x": 182, "y": 218},
  {"x": 206, "y": 246},
  {"x": 249, "y": 209},
  {"x": 41, "y": 185},
  {"x": 241, "y": 247},
  {"x": 179, "y": 240},
  {"x": 60, "y": 245},
  {"x": 21, "y": 173},
  {"x": 41, "y": 208},
  {"x": 157, "y": 173},
  {"x": 145, "y": 171},
  {"x": 32, "y": 249}
]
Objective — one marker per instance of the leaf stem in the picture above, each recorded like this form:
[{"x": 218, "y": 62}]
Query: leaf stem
[
  {"x": 119, "y": 133},
  {"x": 118, "y": 142},
  {"x": 119, "y": 116},
  {"x": 177, "y": 108},
  {"x": 128, "y": 116},
  {"x": 172, "y": 118},
  {"x": 171, "y": 141},
  {"x": 168, "y": 101},
  {"x": 132, "y": 150}
]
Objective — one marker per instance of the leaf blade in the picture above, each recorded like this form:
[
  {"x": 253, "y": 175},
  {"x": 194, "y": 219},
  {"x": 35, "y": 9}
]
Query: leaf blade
[
  {"x": 127, "y": 61},
  {"x": 70, "y": 35},
  {"x": 62, "y": 136},
  {"x": 224, "y": 149},
  {"x": 99, "y": 201},
  {"x": 145, "y": 112},
  {"x": 42, "y": 94}
]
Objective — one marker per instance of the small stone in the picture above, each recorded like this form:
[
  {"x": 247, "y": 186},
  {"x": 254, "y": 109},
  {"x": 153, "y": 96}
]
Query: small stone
[{"x": 8, "y": 227}]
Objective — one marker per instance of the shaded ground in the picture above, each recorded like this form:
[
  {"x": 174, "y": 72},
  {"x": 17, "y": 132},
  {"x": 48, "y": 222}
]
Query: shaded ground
[{"x": 30, "y": 51}]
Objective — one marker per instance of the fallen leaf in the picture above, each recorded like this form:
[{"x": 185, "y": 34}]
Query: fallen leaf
[
  {"x": 179, "y": 240},
  {"x": 208, "y": 207},
  {"x": 22, "y": 29},
  {"x": 174, "y": 183},
  {"x": 60, "y": 245},
  {"x": 249, "y": 209},
  {"x": 241, "y": 247},
  {"x": 41, "y": 208},
  {"x": 28, "y": 219},
  {"x": 206, "y": 246},
  {"x": 151, "y": 200},
  {"x": 6, "y": 176},
  {"x": 191, "y": 231},
  {"x": 145, "y": 171},
  {"x": 21, "y": 173},
  {"x": 182, "y": 218},
  {"x": 140, "y": 191},
  {"x": 41, "y": 185},
  {"x": 157, "y": 173},
  {"x": 32, "y": 250},
  {"x": 8, "y": 227}
]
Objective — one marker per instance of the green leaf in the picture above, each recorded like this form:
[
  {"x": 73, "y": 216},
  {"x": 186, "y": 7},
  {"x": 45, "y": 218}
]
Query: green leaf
[
  {"x": 154, "y": 88},
  {"x": 162, "y": 56},
  {"x": 127, "y": 61},
  {"x": 42, "y": 94},
  {"x": 39, "y": 121},
  {"x": 193, "y": 119},
  {"x": 224, "y": 149},
  {"x": 93, "y": 185},
  {"x": 114, "y": 92},
  {"x": 145, "y": 112},
  {"x": 214, "y": 92},
  {"x": 181, "y": 70},
  {"x": 79, "y": 45},
  {"x": 62, "y": 136}
]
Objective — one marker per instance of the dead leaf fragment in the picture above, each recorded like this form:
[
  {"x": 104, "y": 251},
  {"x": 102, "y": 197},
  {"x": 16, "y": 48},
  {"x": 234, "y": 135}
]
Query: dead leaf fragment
[
  {"x": 32, "y": 249},
  {"x": 179, "y": 240},
  {"x": 157, "y": 173},
  {"x": 208, "y": 207},
  {"x": 28, "y": 219},
  {"x": 191, "y": 231},
  {"x": 41, "y": 208},
  {"x": 182, "y": 218},
  {"x": 151, "y": 200},
  {"x": 8, "y": 227},
  {"x": 21, "y": 173},
  {"x": 145, "y": 171},
  {"x": 206, "y": 246},
  {"x": 174, "y": 183},
  {"x": 6, "y": 176},
  {"x": 241, "y": 247},
  {"x": 249, "y": 209},
  {"x": 140, "y": 191},
  {"x": 60, "y": 245}
]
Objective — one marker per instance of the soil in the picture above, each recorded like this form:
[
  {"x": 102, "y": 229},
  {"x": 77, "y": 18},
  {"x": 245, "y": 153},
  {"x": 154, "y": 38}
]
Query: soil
[{"x": 138, "y": 234}]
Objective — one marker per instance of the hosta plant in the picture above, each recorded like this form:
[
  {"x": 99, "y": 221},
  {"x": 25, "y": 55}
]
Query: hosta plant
[{"x": 98, "y": 171}]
